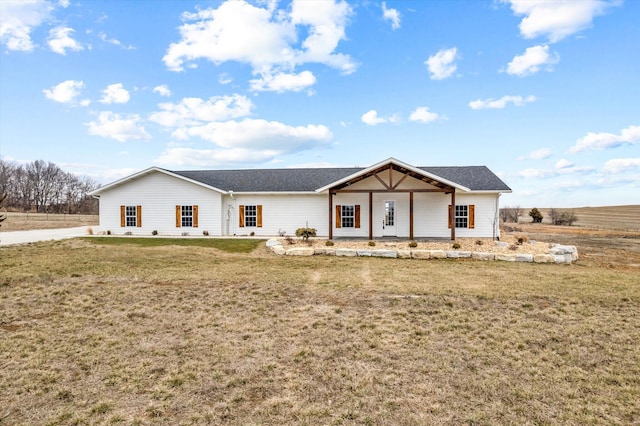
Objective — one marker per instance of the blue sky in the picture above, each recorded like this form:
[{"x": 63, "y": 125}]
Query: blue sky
[{"x": 545, "y": 93}]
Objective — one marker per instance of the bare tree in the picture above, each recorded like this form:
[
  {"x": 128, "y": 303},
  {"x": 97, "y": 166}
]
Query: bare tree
[
  {"x": 510, "y": 214},
  {"x": 46, "y": 187}
]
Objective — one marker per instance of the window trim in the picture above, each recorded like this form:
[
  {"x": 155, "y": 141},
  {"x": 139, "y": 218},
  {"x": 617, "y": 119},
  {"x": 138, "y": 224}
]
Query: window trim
[
  {"x": 250, "y": 215},
  {"x": 461, "y": 215},
  {"x": 130, "y": 216},
  {"x": 349, "y": 217}
]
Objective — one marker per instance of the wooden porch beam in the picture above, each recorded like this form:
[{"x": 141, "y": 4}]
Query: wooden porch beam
[
  {"x": 330, "y": 215},
  {"x": 382, "y": 182},
  {"x": 453, "y": 214},
  {"x": 399, "y": 182},
  {"x": 390, "y": 176},
  {"x": 370, "y": 215},
  {"x": 355, "y": 191},
  {"x": 410, "y": 215}
]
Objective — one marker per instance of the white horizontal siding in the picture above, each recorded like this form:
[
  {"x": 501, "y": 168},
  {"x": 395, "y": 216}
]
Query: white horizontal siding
[
  {"x": 280, "y": 213},
  {"x": 158, "y": 194},
  {"x": 431, "y": 215}
]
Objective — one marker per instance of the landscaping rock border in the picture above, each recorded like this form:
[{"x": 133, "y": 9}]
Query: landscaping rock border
[{"x": 561, "y": 254}]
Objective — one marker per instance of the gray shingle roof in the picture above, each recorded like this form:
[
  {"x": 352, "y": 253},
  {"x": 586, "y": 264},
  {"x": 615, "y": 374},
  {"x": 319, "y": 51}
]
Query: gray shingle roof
[{"x": 476, "y": 178}]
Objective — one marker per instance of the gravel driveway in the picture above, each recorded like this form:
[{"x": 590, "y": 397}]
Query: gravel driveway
[{"x": 22, "y": 237}]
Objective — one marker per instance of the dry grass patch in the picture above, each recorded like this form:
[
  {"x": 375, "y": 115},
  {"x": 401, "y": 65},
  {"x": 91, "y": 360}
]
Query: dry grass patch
[{"x": 145, "y": 335}]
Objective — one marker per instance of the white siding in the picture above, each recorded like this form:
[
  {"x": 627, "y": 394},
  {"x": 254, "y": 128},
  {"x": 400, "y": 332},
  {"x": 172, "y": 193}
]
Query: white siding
[
  {"x": 431, "y": 215},
  {"x": 280, "y": 212},
  {"x": 158, "y": 194}
]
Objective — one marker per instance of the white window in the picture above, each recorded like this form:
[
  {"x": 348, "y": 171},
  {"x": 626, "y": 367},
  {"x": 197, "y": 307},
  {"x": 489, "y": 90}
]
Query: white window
[
  {"x": 250, "y": 216},
  {"x": 130, "y": 216},
  {"x": 187, "y": 216},
  {"x": 348, "y": 216},
  {"x": 462, "y": 216}
]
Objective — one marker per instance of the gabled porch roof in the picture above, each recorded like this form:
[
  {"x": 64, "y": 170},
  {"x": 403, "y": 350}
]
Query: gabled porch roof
[{"x": 392, "y": 164}]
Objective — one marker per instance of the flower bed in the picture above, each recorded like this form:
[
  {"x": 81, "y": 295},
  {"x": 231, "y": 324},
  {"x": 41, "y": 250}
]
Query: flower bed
[{"x": 511, "y": 249}]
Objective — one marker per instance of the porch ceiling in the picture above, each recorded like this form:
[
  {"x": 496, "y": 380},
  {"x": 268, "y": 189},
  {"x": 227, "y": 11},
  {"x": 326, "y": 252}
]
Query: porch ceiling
[{"x": 390, "y": 186}]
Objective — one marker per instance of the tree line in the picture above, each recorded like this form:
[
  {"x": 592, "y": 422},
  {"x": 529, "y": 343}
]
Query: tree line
[
  {"x": 556, "y": 216},
  {"x": 43, "y": 187}
]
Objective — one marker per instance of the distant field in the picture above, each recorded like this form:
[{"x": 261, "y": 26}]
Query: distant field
[
  {"x": 27, "y": 221},
  {"x": 619, "y": 218}
]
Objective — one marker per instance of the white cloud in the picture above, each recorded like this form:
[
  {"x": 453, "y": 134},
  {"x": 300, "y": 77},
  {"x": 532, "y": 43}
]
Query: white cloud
[
  {"x": 65, "y": 92},
  {"x": 371, "y": 118},
  {"x": 283, "y": 82},
  {"x": 557, "y": 19},
  {"x": 18, "y": 18},
  {"x": 600, "y": 141},
  {"x": 197, "y": 111},
  {"x": 114, "y": 41},
  {"x": 501, "y": 103},
  {"x": 563, "y": 163},
  {"x": 271, "y": 47},
  {"x": 538, "y": 154},
  {"x": 532, "y": 60},
  {"x": 423, "y": 115},
  {"x": 60, "y": 40},
  {"x": 162, "y": 90},
  {"x": 442, "y": 65},
  {"x": 548, "y": 173},
  {"x": 224, "y": 78},
  {"x": 115, "y": 94},
  {"x": 118, "y": 127},
  {"x": 260, "y": 135},
  {"x": 391, "y": 15},
  {"x": 618, "y": 165},
  {"x": 210, "y": 157}
]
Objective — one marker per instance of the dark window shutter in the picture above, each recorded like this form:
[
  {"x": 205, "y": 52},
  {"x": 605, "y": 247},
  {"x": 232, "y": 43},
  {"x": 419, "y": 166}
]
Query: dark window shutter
[
  {"x": 178, "y": 216},
  {"x": 450, "y": 215},
  {"x": 357, "y": 214},
  {"x": 122, "y": 219},
  {"x": 472, "y": 214},
  {"x": 139, "y": 216},
  {"x": 338, "y": 216},
  {"x": 259, "y": 214}
]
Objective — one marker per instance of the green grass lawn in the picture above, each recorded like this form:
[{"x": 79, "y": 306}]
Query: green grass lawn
[{"x": 103, "y": 331}]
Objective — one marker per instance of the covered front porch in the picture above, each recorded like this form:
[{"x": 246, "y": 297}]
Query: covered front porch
[{"x": 389, "y": 200}]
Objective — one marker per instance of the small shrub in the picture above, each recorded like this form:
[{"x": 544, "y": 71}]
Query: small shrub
[
  {"x": 128, "y": 233},
  {"x": 205, "y": 233},
  {"x": 329, "y": 243},
  {"x": 456, "y": 246},
  {"x": 185, "y": 234},
  {"x": 536, "y": 216},
  {"x": 413, "y": 244},
  {"x": 513, "y": 247},
  {"x": 90, "y": 231},
  {"x": 108, "y": 232},
  {"x": 289, "y": 239},
  {"x": 251, "y": 234},
  {"x": 371, "y": 243},
  {"x": 306, "y": 233},
  {"x": 479, "y": 242},
  {"x": 154, "y": 232},
  {"x": 522, "y": 239}
]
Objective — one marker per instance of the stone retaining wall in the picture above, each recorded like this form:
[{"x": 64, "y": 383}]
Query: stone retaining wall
[{"x": 557, "y": 253}]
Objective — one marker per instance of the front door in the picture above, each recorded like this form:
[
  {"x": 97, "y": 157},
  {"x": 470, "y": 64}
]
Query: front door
[{"x": 389, "y": 221}]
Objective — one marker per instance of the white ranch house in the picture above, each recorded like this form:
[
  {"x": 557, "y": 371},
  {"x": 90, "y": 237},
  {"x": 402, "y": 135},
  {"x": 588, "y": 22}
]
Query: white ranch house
[{"x": 390, "y": 198}]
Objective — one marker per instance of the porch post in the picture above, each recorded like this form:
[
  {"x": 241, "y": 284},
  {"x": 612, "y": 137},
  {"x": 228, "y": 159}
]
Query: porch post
[
  {"x": 411, "y": 215},
  {"x": 453, "y": 214},
  {"x": 370, "y": 215},
  {"x": 330, "y": 215}
]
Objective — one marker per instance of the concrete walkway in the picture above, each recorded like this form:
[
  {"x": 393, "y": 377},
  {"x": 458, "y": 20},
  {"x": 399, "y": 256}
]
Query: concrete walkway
[{"x": 23, "y": 237}]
